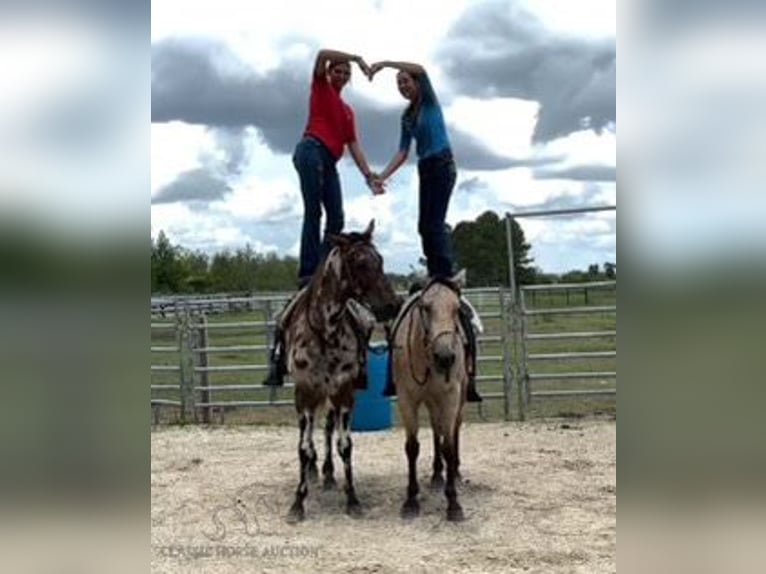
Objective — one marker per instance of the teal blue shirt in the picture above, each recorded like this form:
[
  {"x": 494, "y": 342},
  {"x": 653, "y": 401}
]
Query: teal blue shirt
[{"x": 428, "y": 127}]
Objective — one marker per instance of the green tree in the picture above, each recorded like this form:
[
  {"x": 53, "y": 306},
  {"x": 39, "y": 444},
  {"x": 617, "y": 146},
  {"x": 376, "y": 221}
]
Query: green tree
[
  {"x": 481, "y": 248},
  {"x": 194, "y": 266},
  {"x": 166, "y": 269}
]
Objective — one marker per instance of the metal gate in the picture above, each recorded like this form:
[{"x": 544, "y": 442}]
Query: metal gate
[{"x": 547, "y": 371}]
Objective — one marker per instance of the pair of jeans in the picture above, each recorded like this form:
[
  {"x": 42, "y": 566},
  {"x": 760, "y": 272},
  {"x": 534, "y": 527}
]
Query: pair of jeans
[
  {"x": 320, "y": 187},
  {"x": 437, "y": 177}
]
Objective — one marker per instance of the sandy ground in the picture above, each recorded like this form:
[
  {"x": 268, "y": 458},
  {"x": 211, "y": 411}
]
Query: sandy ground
[{"x": 538, "y": 497}]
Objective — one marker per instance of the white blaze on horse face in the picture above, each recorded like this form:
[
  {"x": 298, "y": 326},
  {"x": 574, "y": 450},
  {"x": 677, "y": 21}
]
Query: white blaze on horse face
[{"x": 334, "y": 262}]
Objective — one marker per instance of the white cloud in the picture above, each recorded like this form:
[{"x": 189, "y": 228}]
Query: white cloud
[
  {"x": 504, "y": 125},
  {"x": 590, "y": 17},
  {"x": 176, "y": 147},
  {"x": 267, "y": 189}
]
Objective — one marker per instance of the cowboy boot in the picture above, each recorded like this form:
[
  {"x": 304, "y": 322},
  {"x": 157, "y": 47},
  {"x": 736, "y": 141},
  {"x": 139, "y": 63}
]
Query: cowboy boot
[
  {"x": 390, "y": 390},
  {"x": 277, "y": 357},
  {"x": 466, "y": 314},
  {"x": 361, "y": 381},
  {"x": 277, "y": 364}
]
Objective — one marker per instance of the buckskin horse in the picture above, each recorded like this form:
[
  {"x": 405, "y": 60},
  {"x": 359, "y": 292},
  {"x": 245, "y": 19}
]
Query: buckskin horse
[
  {"x": 430, "y": 366},
  {"x": 324, "y": 336}
]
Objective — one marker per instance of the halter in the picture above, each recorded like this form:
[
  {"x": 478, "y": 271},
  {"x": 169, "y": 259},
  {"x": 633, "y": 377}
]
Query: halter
[{"x": 429, "y": 341}]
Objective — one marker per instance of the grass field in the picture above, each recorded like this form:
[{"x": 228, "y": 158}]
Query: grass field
[{"x": 488, "y": 305}]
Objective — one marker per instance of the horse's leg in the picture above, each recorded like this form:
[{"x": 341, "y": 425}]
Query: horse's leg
[
  {"x": 409, "y": 416},
  {"x": 312, "y": 453},
  {"x": 305, "y": 455},
  {"x": 345, "y": 447},
  {"x": 313, "y": 473},
  {"x": 437, "y": 479},
  {"x": 459, "y": 422},
  {"x": 328, "y": 468},
  {"x": 454, "y": 510}
]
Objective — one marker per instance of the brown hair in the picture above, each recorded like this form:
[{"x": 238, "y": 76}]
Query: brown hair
[{"x": 411, "y": 111}]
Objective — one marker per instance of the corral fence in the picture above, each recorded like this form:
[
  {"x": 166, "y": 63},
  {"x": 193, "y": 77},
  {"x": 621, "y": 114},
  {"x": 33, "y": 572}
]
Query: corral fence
[
  {"x": 210, "y": 365},
  {"x": 558, "y": 341},
  {"x": 588, "y": 354},
  {"x": 205, "y": 363}
]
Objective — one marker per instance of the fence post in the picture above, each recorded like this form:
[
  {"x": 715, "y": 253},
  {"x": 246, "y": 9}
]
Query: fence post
[
  {"x": 523, "y": 386},
  {"x": 506, "y": 332},
  {"x": 185, "y": 345},
  {"x": 270, "y": 321},
  {"x": 202, "y": 344}
]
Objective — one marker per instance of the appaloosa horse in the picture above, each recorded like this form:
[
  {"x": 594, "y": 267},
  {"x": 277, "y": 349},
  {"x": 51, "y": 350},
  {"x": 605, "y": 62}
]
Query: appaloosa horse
[
  {"x": 324, "y": 339},
  {"x": 430, "y": 366}
]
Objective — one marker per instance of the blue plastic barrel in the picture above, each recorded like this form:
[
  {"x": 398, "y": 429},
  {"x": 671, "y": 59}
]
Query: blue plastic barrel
[{"x": 372, "y": 411}]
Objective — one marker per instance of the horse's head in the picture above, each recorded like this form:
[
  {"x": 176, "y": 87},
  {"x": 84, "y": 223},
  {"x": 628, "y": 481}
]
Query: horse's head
[
  {"x": 360, "y": 266},
  {"x": 439, "y": 307}
]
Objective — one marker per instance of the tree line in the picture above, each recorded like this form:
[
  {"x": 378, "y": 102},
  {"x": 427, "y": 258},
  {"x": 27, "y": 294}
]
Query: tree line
[{"x": 480, "y": 246}]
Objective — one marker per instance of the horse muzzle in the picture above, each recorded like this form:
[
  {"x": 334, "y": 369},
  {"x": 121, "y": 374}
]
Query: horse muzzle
[{"x": 443, "y": 361}]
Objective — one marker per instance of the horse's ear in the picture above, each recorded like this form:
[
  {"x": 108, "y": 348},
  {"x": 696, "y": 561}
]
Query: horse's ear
[
  {"x": 370, "y": 228},
  {"x": 459, "y": 278}
]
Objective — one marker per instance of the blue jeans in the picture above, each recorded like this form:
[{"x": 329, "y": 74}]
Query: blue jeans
[
  {"x": 320, "y": 187},
  {"x": 437, "y": 179}
]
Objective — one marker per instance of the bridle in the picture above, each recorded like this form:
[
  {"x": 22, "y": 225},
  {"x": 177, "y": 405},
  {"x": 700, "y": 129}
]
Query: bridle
[
  {"x": 346, "y": 273},
  {"x": 428, "y": 340}
]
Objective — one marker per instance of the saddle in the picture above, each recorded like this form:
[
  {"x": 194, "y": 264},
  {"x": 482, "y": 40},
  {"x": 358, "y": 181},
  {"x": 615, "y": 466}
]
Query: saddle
[
  {"x": 470, "y": 321},
  {"x": 362, "y": 321}
]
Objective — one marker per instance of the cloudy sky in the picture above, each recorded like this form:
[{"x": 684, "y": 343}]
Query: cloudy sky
[{"x": 527, "y": 89}]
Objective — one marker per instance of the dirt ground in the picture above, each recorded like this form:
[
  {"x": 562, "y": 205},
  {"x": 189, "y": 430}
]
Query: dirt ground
[{"x": 538, "y": 497}]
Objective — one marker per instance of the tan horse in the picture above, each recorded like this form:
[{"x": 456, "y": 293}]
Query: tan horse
[
  {"x": 324, "y": 341},
  {"x": 430, "y": 367}
]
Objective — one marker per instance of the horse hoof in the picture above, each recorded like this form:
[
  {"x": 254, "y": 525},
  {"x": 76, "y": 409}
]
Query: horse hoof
[
  {"x": 455, "y": 514},
  {"x": 354, "y": 509},
  {"x": 410, "y": 509},
  {"x": 296, "y": 514},
  {"x": 437, "y": 482},
  {"x": 329, "y": 483}
]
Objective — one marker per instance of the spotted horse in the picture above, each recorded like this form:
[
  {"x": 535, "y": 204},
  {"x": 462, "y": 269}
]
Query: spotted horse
[{"x": 322, "y": 347}]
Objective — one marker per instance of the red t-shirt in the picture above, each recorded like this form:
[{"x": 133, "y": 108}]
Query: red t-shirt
[{"x": 331, "y": 120}]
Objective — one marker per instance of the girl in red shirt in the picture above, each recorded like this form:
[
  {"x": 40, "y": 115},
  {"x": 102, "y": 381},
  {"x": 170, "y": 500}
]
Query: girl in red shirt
[{"x": 329, "y": 130}]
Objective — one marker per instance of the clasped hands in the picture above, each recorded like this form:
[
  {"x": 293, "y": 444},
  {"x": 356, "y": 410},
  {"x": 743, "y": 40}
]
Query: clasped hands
[
  {"x": 376, "y": 183},
  {"x": 370, "y": 70}
]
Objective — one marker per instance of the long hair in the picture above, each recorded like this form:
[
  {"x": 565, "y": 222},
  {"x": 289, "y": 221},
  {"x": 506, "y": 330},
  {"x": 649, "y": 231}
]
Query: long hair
[{"x": 410, "y": 114}]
